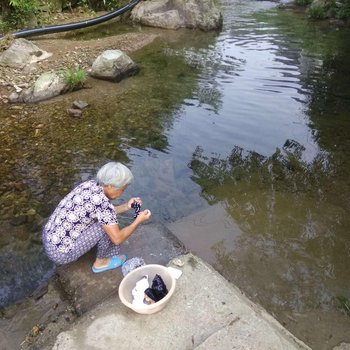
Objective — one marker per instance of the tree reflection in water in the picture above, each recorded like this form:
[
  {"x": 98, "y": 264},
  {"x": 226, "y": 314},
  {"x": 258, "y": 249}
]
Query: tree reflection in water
[{"x": 293, "y": 250}]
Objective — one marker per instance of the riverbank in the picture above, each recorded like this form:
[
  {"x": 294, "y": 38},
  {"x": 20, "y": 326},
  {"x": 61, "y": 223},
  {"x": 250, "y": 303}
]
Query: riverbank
[
  {"x": 205, "y": 312},
  {"x": 67, "y": 53}
]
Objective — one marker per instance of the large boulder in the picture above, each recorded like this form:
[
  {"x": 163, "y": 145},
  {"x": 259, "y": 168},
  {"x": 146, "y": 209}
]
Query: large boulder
[
  {"x": 48, "y": 85},
  {"x": 174, "y": 14},
  {"x": 21, "y": 53},
  {"x": 113, "y": 65}
]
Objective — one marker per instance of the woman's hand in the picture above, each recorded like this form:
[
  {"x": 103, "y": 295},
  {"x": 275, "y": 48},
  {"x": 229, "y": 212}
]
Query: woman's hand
[
  {"x": 143, "y": 216},
  {"x": 132, "y": 200}
]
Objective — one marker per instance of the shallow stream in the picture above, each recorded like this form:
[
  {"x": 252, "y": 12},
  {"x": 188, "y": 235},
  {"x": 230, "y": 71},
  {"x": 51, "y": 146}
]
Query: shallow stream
[{"x": 254, "y": 117}]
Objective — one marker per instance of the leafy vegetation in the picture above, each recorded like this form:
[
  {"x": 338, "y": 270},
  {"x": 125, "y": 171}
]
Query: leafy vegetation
[
  {"x": 317, "y": 12},
  {"x": 23, "y": 13},
  {"x": 344, "y": 304},
  {"x": 18, "y": 13},
  {"x": 303, "y": 2},
  {"x": 326, "y": 9},
  {"x": 343, "y": 9},
  {"x": 74, "y": 78},
  {"x": 102, "y": 5}
]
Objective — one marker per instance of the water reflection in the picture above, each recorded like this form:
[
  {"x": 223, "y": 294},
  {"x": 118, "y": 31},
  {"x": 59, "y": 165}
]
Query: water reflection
[{"x": 294, "y": 247}]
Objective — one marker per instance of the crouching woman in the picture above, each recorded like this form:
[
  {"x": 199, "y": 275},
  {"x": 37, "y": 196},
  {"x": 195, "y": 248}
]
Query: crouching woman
[{"x": 86, "y": 218}]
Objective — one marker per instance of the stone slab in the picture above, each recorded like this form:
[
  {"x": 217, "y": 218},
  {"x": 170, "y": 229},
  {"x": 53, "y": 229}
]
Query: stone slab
[
  {"x": 204, "y": 231},
  {"x": 205, "y": 312},
  {"x": 152, "y": 242}
]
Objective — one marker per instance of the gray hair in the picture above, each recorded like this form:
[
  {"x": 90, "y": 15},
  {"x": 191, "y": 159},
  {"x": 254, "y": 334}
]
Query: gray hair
[{"x": 115, "y": 174}]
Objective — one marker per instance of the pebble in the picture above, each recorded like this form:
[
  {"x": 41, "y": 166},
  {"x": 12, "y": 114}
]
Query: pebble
[
  {"x": 76, "y": 113},
  {"x": 178, "y": 262},
  {"x": 80, "y": 104}
]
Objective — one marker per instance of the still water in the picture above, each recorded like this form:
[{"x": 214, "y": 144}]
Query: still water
[{"x": 254, "y": 117}]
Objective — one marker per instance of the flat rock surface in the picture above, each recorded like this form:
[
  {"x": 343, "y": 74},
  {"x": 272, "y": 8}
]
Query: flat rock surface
[
  {"x": 152, "y": 242},
  {"x": 205, "y": 312}
]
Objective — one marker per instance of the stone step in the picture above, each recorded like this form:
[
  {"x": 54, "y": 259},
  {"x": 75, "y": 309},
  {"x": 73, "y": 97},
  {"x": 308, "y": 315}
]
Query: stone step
[{"x": 152, "y": 242}]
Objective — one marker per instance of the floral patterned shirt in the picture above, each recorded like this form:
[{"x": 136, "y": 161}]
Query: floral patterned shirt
[{"x": 83, "y": 206}]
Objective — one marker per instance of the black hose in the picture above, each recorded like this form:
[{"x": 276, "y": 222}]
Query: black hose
[{"x": 76, "y": 25}]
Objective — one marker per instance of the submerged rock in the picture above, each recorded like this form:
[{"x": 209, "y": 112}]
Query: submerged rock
[
  {"x": 174, "y": 14},
  {"x": 80, "y": 104},
  {"x": 48, "y": 85},
  {"x": 113, "y": 65},
  {"x": 21, "y": 53},
  {"x": 74, "y": 112}
]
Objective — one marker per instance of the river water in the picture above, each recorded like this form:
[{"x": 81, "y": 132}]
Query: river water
[{"x": 254, "y": 117}]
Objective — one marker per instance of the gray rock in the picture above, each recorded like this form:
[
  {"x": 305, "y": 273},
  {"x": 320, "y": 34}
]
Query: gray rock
[
  {"x": 174, "y": 14},
  {"x": 14, "y": 97},
  {"x": 48, "y": 85},
  {"x": 80, "y": 104},
  {"x": 18, "y": 220},
  {"x": 113, "y": 65},
  {"x": 74, "y": 112},
  {"x": 21, "y": 53}
]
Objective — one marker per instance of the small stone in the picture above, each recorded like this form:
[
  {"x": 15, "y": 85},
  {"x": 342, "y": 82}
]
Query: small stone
[
  {"x": 80, "y": 104},
  {"x": 18, "y": 220},
  {"x": 19, "y": 186},
  {"x": 40, "y": 291},
  {"x": 76, "y": 113},
  {"x": 14, "y": 97},
  {"x": 17, "y": 88},
  {"x": 35, "y": 331},
  {"x": 178, "y": 262},
  {"x": 17, "y": 107},
  {"x": 31, "y": 212}
]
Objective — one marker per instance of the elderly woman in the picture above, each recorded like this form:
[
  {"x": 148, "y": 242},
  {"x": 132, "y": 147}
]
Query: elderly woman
[{"x": 86, "y": 218}]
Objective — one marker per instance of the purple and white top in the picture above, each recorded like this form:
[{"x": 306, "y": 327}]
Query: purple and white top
[{"x": 85, "y": 205}]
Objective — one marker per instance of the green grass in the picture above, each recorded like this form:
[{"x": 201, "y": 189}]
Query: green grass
[
  {"x": 74, "y": 78},
  {"x": 344, "y": 304}
]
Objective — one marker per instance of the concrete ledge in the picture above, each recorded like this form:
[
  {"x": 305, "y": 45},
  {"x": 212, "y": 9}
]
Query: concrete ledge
[
  {"x": 206, "y": 312},
  {"x": 85, "y": 289}
]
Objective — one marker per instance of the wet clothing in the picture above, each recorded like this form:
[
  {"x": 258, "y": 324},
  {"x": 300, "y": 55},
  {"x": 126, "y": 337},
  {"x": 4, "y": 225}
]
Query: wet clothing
[{"x": 76, "y": 225}]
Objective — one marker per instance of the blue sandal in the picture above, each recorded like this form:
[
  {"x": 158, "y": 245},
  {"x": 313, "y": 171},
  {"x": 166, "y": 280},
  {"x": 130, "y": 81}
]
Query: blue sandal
[{"x": 114, "y": 262}]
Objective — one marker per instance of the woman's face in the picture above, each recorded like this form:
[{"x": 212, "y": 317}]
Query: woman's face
[{"x": 112, "y": 192}]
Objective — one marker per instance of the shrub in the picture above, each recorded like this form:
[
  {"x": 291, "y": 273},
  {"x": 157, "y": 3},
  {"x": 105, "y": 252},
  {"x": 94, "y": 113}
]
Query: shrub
[
  {"x": 105, "y": 5},
  {"x": 24, "y": 10},
  {"x": 303, "y": 2},
  {"x": 343, "y": 9},
  {"x": 74, "y": 78},
  {"x": 18, "y": 13},
  {"x": 317, "y": 12}
]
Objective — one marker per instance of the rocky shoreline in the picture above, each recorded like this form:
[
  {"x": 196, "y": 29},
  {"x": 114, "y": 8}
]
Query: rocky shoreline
[{"x": 67, "y": 53}]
